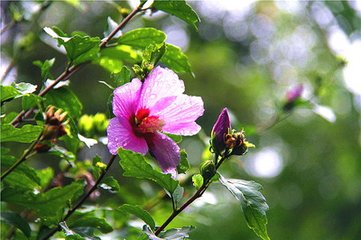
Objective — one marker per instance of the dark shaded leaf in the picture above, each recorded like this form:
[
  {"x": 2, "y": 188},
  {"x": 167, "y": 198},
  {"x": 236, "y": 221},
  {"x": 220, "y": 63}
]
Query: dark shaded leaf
[
  {"x": 65, "y": 99},
  {"x": 110, "y": 184},
  {"x": 177, "y": 195},
  {"x": 30, "y": 101},
  {"x": 88, "y": 219},
  {"x": 135, "y": 165},
  {"x": 252, "y": 201},
  {"x": 45, "y": 67},
  {"x": 183, "y": 165},
  {"x": 26, "y": 134},
  {"x": 177, "y": 233},
  {"x": 16, "y": 220},
  {"x": 139, "y": 212},
  {"x": 56, "y": 199}
]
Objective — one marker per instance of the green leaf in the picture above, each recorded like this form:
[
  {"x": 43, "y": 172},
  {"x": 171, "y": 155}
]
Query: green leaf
[
  {"x": 113, "y": 58},
  {"x": 69, "y": 234},
  {"x": 65, "y": 99},
  {"x": 16, "y": 220},
  {"x": 135, "y": 165},
  {"x": 180, "y": 9},
  {"x": 26, "y": 134},
  {"x": 15, "y": 91},
  {"x": 197, "y": 180},
  {"x": 183, "y": 165},
  {"x": 177, "y": 233},
  {"x": 139, "y": 212},
  {"x": 8, "y": 93},
  {"x": 88, "y": 219},
  {"x": 23, "y": 176},
  {"x": 142, "y": 37},
  {"x": 45, "y": 67},
  {"x": 30, "y": 101},
  {"x": 8, "y": 160},
  {"x": 79, "y": 47},
  {"x": 175, "y": 59},
  {"x": 253, "y": 203},
  {"x": 45, "y": 175},
  {"x": 121, "y": 78},
  {"x": 152, "y": 54},
  {"x": 110, "y": 184},
  {"x": 56, "y": 199},
  {"x": 177, "y": 195}
]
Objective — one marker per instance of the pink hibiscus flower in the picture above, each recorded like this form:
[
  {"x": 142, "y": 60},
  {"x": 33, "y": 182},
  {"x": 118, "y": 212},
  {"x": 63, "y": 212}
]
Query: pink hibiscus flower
[{"x": 144, "y": 111}]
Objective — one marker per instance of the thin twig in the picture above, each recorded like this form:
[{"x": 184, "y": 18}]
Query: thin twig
[
  {"x": 84, "y": 198},
  {"x": 70, "y": 71},
  {"x": 195, "y": 196},
  {"x": 7, "y": 70},
  {"x": 22, "y": 158}
]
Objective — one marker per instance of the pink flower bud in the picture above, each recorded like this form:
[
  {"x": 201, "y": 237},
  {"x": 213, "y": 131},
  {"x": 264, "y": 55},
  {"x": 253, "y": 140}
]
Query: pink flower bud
[{"x": 220, "y": 129}]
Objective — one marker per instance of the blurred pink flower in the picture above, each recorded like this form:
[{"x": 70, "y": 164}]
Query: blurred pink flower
[
  {"x": 143, "y": 111},
  {"x": 294, "y": 93}
]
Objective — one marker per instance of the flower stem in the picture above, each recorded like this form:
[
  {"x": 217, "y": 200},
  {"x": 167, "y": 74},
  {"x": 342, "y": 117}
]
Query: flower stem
[
  {"x": 196, "y": 195},
  {"x": 70, "y": 71},
  {"x": 83, "y": 199},
  {"x": 22, "y": 158}
]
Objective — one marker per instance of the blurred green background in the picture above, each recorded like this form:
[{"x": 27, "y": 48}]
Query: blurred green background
[{"x": 245, "y": 56}]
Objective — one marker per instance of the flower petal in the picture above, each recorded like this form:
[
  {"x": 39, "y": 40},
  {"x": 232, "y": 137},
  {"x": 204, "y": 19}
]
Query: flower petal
[
  {"x": 126, "y": 98},
  {"x": 120, "y": 134},
  {"x": 166, "y": 151},
  {"x": 180, "y": 116},
  {"x": 160, "y": 83}
]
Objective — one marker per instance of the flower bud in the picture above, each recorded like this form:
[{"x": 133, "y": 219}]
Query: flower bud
[
  {"x": 208, "y": 169},
  {"x": 219, "y": 132},
  {"x": 291, "y": 97},
  {"x": 54, "y": 124}
]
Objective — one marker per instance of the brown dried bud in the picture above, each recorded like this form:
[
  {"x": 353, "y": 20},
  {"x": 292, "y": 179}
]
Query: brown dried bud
[{"x": 54, "y": 124}]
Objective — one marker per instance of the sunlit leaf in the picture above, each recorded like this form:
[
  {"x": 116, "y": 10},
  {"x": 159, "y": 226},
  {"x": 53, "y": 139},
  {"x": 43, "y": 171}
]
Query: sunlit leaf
[
  {"x": 122, "y": 77},
  {"x": 142, "y": 37},
  {"x": 252, "y": 201},
  {"x": 16, "y": 90},
  {"x": 180, "y": 9},
  {"x": 135, "y": 165},
  {"x": 175, "y": 59},
  {"x": 197, "y": 180}
]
